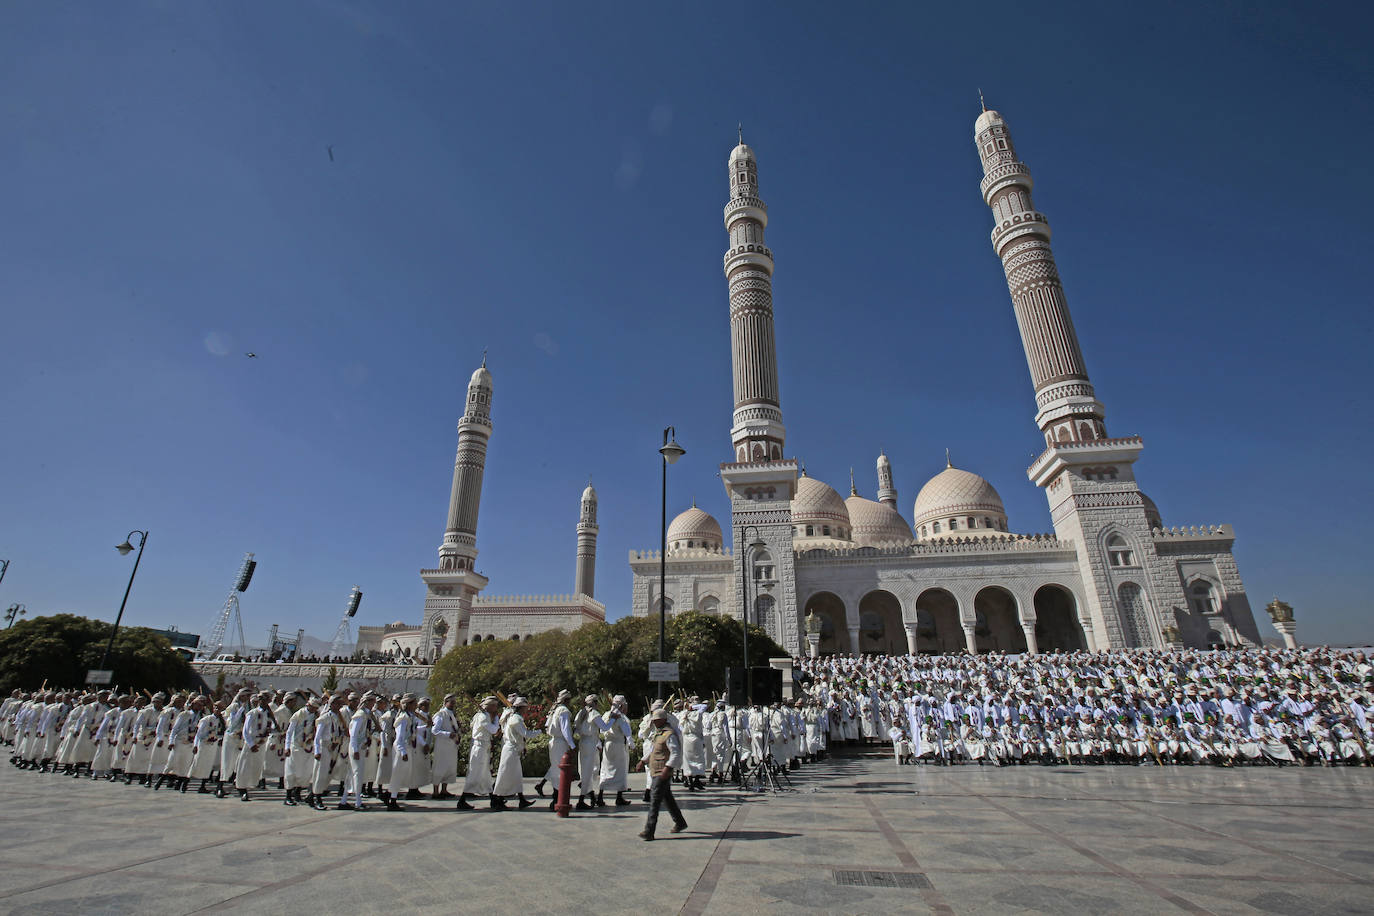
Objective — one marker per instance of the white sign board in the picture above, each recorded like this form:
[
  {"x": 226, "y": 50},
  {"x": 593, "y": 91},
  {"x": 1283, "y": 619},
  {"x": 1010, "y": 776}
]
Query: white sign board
[
  {"x": 96, "y": 676},
  {"x": 662, "y": 671}
]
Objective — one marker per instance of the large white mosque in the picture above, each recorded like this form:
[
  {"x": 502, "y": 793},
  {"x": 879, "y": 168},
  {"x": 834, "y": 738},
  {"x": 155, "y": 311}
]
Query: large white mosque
[{"x": 956, "y": 575}]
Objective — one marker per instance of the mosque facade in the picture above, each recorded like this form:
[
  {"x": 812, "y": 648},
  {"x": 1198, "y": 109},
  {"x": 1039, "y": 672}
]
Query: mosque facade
[{"x": 955, "y": 576}]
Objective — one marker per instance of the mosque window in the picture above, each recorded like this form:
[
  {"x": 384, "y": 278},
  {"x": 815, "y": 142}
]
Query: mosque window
[
  {"x": 936, "y": 527},
  {"x": 954, "y": 524},
  {"x": 987, "y": 522},
  {"x": 825, "y": 530},
  {"x": 988, "y": 148},
  {"x": 1119, "y": 551},
  {"x": 691, "y": 544},
  {"x": 810, "y": 530},
  {"x": 1001, "y": 144},
  {"x": 923, "y": 531},
  {"x": 972, "y": 523}
]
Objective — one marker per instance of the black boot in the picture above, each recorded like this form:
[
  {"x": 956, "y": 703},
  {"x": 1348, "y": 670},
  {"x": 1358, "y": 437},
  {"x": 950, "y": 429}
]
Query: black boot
[
  {"x": 497, "y": 803},
  {"x": 582, "y": 803},
  {"x": 392, "y": 804},
  {"x": 219, "y": 788},
  {"x": 620, "y": 800},
  {"x": 599, "y": 799},
  {"x": 463, "y": 803},
  {"x": 524, "y": 802},
  {"x": 646, "y": 796},
  {"x": 290, "y": 798},
  {"x": 202, "y": 790},
  {"x": 243, "y": 795},
  {"x": 185, "y": 781},
  {"x": 539, "y": 788},
  {"x": 158, "y": 784}
]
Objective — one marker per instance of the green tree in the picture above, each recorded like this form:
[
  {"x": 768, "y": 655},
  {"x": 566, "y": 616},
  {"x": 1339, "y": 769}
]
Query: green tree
[
  {"x": 331, "y": 680},
  {"x": 62, "y": 648},
  {"x": 610, "y": 657}
]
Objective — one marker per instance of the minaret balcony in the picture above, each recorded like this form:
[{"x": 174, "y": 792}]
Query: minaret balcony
[
  {"x": 1029, "y": 223},
  {"x": 756, "y": 255},
  {"x": 746, "y": 208},
  {"x": 1002, "y": 175}
]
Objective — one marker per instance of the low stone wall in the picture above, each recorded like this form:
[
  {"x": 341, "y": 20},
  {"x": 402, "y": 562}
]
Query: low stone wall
[{"x": 386, "y": 678}]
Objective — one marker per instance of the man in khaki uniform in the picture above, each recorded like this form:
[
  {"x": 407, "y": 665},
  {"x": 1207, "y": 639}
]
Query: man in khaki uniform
[{"x": 665, "y": 756}]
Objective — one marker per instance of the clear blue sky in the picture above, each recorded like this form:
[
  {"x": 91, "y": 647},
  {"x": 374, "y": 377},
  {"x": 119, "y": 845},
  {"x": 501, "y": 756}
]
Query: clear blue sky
[{"x": 546, "y": 181}]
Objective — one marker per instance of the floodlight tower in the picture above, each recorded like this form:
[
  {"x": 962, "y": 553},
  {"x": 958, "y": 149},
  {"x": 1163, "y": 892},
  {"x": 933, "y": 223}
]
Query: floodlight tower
[
  {"x": 342, "y": 636},
  {"x": 209, "y": 646}
]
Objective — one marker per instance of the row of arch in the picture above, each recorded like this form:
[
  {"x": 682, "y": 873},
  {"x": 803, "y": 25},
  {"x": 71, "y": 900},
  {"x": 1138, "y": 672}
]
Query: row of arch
[
  {"x": 489, "y": 637},
  {"x": 941, "y": 626}
]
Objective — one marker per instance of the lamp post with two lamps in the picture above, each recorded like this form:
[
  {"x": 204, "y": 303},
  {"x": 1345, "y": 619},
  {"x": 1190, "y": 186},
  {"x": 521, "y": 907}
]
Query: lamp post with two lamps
[
  {"x": 14, "y": 611},
  {"x": 124, "y": 550},
  {"x": 671, "y": 452}
]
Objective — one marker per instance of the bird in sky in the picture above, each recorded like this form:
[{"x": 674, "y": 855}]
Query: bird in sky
[{"x": 251, "y": 355}]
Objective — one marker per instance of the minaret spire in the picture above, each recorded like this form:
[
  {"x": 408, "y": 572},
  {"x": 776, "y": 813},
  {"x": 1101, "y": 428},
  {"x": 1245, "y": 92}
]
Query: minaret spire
[
  {"x": 587, "y": 529},
  {"x": 453, "y": 585},
  {"x": 1068, "y": 411},
  {"x": 887, "y": 493},
  {"x": 757, "y": 432},
  {"x": 852, "y": 490}
]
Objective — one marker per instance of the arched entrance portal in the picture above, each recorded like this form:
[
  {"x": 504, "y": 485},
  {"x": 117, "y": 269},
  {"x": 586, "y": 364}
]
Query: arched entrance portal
[
  {"x": 1056, "y": 620},
  {"x": 880, "y": 624},
  {"x": 999, "y": 622},
  {"x": 834, "y": 628},
  {"x": 937, "y": 622}
]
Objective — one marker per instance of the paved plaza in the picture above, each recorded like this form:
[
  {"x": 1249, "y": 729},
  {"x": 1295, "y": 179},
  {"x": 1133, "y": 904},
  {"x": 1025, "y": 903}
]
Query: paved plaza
[{"x": 859, "y": 836}]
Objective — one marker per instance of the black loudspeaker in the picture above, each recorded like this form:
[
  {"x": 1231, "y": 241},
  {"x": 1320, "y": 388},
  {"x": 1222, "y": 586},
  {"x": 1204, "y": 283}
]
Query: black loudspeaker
[
  {"x": 246, "y": 576},
  {"x": 767, "y": 686}
]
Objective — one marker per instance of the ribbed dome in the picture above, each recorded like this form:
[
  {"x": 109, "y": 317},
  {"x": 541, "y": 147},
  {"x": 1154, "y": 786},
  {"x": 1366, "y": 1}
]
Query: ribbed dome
[
  {"x": 741, "y": 152},
  {"x": 481, "y": 378},
  {"x": 1152, "y": 516},
  {"x": 695, "y": 529},
  {"x": 986, "y": 120},
  {"x": 817, "y": 503},
  {"x": 876, "y": 524},
  {"x": 955, "y": 493},
  {"x": 589, "y": 495}
]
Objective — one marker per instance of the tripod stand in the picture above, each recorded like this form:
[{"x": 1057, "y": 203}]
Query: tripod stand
[{"x": 766, "y": 773}]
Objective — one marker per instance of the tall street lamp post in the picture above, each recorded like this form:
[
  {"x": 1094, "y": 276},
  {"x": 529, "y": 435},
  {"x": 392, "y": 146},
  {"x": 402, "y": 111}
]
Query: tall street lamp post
[
  {"x": 15, "y": 610},
  {"x": 671, "y": 452},
  {"x": 124, "y": 550}
]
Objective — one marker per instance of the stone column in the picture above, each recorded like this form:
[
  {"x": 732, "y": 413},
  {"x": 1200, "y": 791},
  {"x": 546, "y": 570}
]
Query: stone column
[
  {"x": 854, "y": 638},
  {"x": 1288, "y": 629},
  {"x": 1032, "y": 647},
  {"x": 813, "y": 643},
  {"x": 1089, "y": 635},
  {"x": 971, "y": 639},
  {"x": 911, "y": 639}
]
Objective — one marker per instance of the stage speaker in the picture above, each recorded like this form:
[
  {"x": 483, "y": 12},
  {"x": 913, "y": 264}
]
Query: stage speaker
[
  {"x": 767, "y": 686},
  {"x": 246, "y": 576}
]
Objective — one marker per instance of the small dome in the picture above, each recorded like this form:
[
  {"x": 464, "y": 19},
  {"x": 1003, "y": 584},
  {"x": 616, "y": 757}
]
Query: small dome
[
  {"x": 876, "y": 524},
  {"x": 589, "y": 494},
  {"x": 1152, "y": 516},
  {"x": 741, "y": 152},
  {"x": 696, "y": 529},
  {"x": 986, "y": 120},
  {"x": 958, "y": 494},
  {"x": 816, "y": 503},
  {"x": 481, "y": 378}
]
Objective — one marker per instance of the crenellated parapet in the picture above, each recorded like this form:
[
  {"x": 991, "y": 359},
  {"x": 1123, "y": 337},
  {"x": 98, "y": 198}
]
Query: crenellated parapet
[{"x": 1193, "y": 533}]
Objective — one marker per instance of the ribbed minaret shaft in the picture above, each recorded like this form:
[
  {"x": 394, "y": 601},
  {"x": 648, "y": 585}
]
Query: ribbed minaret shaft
[
  {"x": 586, "y": 545},
  {"x": 887, "y": 493},
  {"x": 1067, "y": 410},
  {"x": 474, "y": 431},
  {"x": 757, "y": 432}
]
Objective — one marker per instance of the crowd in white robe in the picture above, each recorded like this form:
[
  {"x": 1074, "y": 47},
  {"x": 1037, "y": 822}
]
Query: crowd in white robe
[{"x": 1231, "y": 707}]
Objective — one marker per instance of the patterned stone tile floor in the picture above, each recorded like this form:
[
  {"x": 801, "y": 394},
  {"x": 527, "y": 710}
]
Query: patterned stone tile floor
[{"x": 859, "y": 835}]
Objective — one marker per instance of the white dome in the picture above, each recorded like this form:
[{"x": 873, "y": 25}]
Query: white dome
[
  {"x": 876, "y": 524},
  {"x": 741, "y": 152},
  {"x": 694, "y": 529},
  {"x": 818, "y": 505},
  {"x": 481, "y": 378},
  {"x": 986, "y": 120},
  {"x": 589, "y": 495},
  {"x": 959, "y": 495}
]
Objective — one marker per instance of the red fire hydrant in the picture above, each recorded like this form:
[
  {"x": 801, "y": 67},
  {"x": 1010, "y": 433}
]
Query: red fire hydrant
[{"x": 566, "y": 766}]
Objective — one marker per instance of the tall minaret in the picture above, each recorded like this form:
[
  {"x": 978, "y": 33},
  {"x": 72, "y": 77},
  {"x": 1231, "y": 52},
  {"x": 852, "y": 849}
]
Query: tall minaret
[
  {"x": 1067, "y": 410},
  {"x": 453, "y": 585},
  {"x": 887, "y": 493},
  {"x": 757, "y": 432},
  {"x": 586, "y": 544},
  {"x": 759, "y": 481}
]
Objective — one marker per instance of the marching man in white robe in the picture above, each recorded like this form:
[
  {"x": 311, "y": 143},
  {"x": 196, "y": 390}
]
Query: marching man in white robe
[
  {"x": 447, "y": 734},
  {"x": 510, "y": 778},
  {"x": 615, "y": 757},
  {"x": 404, "y": 747},
  {"x": 485, "y": 726},
  {"x": 561, "y": 740},
  {"x": 258, "y": 722},
  {"x": 359, "y": 741},
  {"x": 587, "y": 729}
]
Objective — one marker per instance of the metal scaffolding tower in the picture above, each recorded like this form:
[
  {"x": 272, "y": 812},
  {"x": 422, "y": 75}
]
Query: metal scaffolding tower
[
  {"x": 343, "y": 637},
  {"x": 211, "y": 645}
]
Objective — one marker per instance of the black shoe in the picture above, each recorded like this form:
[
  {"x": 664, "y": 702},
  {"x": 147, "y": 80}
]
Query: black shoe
[
  {"x": 599, "y": 799},
  {"x": 524, "y": 802},
  {"x": 392, "y": 805},
  {"x": 243, "y": 795},
  {"x": 184, "y": 783},
  {"x": 497, "y": 803},
  {"x": 678, "y": 828},
  {"x": 219, "y": 791},
  {"x": 645, "y": 835},
  {"x": 343, "y": 806},
  {"x": 582, "y": 804},
  {"x": 463, "y": 803},
  {"x": 539, "y": 788},
  {"x": 288, "y": 800},
  {"x": 414, "y": 794},
  {"x": 202, "y": 790},
  {"x": 620, "y": 800},
  {"x": 646, "y": 796},
  {"x": 553, "y": 805}
]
